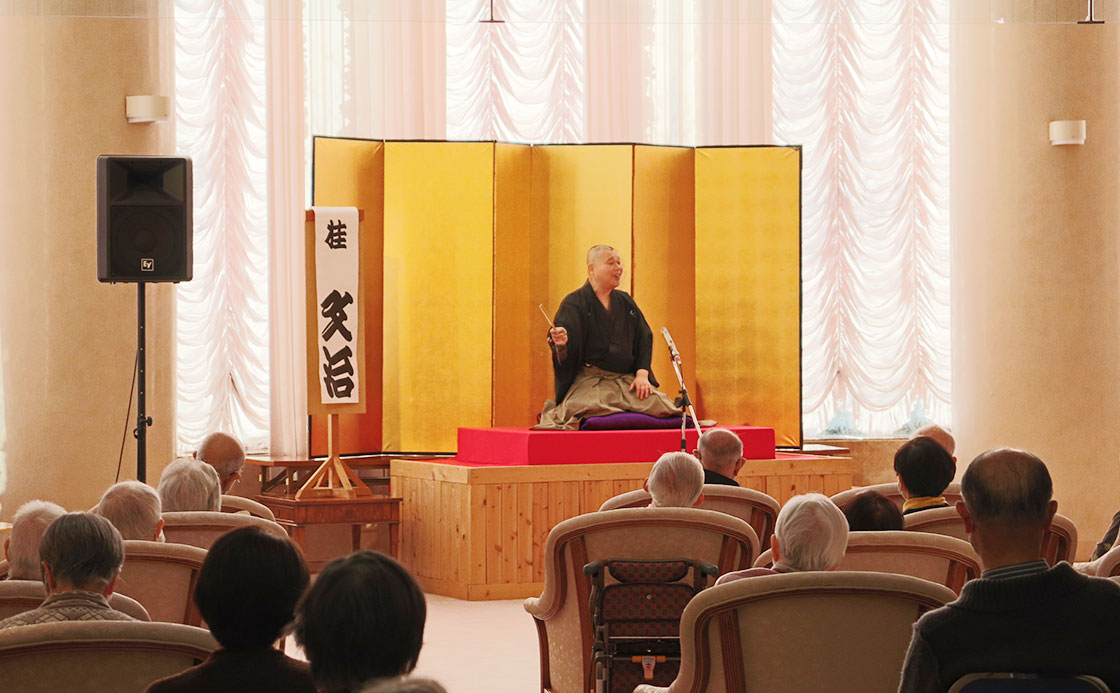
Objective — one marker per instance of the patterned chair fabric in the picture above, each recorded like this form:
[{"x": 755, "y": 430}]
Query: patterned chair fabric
[
  {"x": 98, "y": 656},
  {"x": 794, "y": 632},
  {"x": 202, "y": 529},
  {"x": 162, "y": 577},
  {"x": 952, "y": 493},
  {"x": 18, "y": 596},
  {"x": 561, "y": 612},
  {"x": 757, "y": 509},
  {"x": 1058, "y": 545},
  {"x": 237, "y": 504},
  {"x": 945, "y": 560}
]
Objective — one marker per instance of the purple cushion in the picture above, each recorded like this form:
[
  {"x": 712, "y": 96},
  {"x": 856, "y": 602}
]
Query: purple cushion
[{"x": 627, "y": 420}]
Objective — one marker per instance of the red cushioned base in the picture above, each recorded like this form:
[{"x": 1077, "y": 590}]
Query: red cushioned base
[{"x": 522, "y": 446}]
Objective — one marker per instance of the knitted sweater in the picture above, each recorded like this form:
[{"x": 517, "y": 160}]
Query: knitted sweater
[{"x": 1055, "y": 622}]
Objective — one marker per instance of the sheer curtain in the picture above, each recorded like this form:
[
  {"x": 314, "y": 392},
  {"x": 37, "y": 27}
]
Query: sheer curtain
[
  {"x": 521, "y": 78},
  {"x": 864, "y": 87},
  {"x": 222, "y": 374}
]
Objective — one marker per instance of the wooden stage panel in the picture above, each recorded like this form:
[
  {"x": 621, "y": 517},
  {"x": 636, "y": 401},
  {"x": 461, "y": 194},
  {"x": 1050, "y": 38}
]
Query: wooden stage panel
[{"x": 475, "y": 532}]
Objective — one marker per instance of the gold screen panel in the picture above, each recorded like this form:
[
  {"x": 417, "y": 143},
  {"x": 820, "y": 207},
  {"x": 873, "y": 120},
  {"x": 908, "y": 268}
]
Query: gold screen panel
[
  {"x": 518, "y": 326},
  {"x": 582, "y": 197},
  {"x": 748, "y": 287},
  {"x": 350, "y": 172},
  {"x": 664, "y": 268},
  {"x": 439, "y": 260}
]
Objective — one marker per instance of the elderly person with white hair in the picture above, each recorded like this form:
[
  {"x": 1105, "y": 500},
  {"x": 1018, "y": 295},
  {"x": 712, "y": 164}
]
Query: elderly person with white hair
[
  {"x": 225, "y": 454},
  {"x": 676, "y": 481},
  {"x": 81, "y": 555},
  {"x": 811, "y": 533},
  {"x": 22, "y": 548},
  {"x": 188, "y": 485},
  {"x": 134, "y": 509}
]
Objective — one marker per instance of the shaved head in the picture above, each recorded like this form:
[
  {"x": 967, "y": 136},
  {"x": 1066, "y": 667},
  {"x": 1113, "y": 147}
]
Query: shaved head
[
  {"x": 939, "y": 434},
  {"x": 720, "y": 450},
  {"x": 594, "y": 253}
]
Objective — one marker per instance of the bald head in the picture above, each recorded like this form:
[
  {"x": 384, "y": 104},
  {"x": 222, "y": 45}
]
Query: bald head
[
  {"x": 1007, "y": 486},
  {"x": 720, "y": 450},
  {"x": 940, "y": 435},
  {"x": 225, "y": 454}
]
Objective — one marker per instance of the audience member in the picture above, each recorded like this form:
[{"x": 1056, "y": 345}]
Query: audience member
[
  {"x": 22, "y": 547},
  {"x": 675, "y": 481},
  {"x": 1020, "y": 615},
  {"x": 924, "y": 469},
  {"x": 225, "y": 454},
  {"x": 871, "y": 511},
  {"x": 721, "y": 453},
  {"x": 134, "y": 509},
  {"x": 81, "y": 557},
  {"x": 247, "y": 592},
  {"x": 189, "y": 485},
  {"x": 362, "y": 621},
  {"x": 811, "y": 533},
  {"x": 941, "y": 436}
]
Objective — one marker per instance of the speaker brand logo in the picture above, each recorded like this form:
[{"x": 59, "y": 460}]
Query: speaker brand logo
[{"x": 147, "y": 264}]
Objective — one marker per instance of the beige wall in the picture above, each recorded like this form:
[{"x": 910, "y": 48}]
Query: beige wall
[
  {"x": 1035, "y": 240},
  {"x": 68, "y": 342}
]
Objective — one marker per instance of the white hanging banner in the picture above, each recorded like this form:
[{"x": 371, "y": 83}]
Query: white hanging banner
[{"x": 336, "y": 298}]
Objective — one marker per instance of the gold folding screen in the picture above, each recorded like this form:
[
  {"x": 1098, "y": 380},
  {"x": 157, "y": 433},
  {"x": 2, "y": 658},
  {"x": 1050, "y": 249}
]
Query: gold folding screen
[{"x": 477, "y": 234}]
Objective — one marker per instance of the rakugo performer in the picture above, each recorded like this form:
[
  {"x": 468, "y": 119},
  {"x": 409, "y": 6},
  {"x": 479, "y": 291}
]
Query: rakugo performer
[{"x": 602, "y": 347}]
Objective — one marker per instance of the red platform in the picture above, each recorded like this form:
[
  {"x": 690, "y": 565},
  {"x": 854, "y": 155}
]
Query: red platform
[{"x": 522, "y": 446}]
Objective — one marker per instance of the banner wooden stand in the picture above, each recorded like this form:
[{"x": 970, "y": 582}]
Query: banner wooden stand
[{"x": 333, "y": 478}]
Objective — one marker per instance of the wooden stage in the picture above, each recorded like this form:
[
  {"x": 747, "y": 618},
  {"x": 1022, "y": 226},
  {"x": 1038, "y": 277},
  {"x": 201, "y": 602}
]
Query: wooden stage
[{"x": 478, "y": 532}]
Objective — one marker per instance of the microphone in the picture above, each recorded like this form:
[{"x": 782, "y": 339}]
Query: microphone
[{"x": 673, "y": 353}]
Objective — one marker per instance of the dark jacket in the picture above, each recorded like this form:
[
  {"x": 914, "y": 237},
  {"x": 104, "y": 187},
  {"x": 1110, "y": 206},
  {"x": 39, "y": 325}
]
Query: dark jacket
[{"x": 241, "y": 671}]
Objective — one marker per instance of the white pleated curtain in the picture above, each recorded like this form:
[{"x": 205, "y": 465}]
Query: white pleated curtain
[{"x": 863, "y": 86}]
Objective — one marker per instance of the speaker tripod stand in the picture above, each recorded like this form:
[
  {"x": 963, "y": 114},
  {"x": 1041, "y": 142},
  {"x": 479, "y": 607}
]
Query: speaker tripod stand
[{"x": 143, "y": 421}]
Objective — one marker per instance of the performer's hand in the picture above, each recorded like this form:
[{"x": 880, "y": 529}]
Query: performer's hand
[
  {"x": 641, "y": 385},
  {"x": 559, "y": 336}
]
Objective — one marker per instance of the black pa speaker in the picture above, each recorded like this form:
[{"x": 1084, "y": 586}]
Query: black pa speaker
[{"x": 144, "y": 219}]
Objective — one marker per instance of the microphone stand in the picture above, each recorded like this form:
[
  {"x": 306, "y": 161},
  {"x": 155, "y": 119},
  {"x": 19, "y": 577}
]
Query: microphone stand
[{"x": 683, "y": 401}]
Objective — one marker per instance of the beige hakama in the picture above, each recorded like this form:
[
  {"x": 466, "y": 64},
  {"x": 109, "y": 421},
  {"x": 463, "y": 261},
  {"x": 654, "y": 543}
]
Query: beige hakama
[{"x": 596, "y": 392}]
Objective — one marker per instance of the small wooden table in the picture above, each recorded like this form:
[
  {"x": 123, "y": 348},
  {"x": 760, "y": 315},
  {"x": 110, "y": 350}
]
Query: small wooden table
[
  {"x": 293, "y": 471},
  {"x": 296, "y": 515}
]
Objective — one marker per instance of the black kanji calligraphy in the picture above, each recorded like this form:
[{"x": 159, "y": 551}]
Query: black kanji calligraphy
[
  {"x": 337, "y": 372},
  {"x": 336, "y": 234},
  {"x": 334, "y": 310}
]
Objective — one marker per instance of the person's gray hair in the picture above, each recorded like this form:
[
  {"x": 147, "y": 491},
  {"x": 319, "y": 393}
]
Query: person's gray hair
[
  {"x": 1007, "y": 486},
  {"x": 719, "y": 450},
  {"x": 190, "y": 485},
  {"x": 133, "y": 508},
  {"x": 812, "y": 533},
  {"x": 83, "y": 550},
  {"x": 224, "y": 453},
  {"x": 593, "y": 252},
  {"x": 676, "y": 481},
  {"x": 28, "y": 525},
  {"x": 942, "y": 435}
]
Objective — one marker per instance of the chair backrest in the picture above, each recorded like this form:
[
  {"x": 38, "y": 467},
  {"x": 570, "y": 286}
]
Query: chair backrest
[
  {"x": 1108, "y": 565},
  {"x": 162, "y": 577},
  {"x": 202, "y": 528},
  {"x": 236, "y": 504},
  {"x": 3, "y": 570},
  {"x": 952, "y": 493},
  {"x": 561, "y": 612},
  {"x": 794, "y": 632},
  {"x": 945, "y": 560},
  {"x": 18, "y": 596},
  {"x": 757, "y": 509},
  {"x": 98, "y": 656},
  {"x": 1025, "y": 683},
  {"x": 1058, "y": 545}
]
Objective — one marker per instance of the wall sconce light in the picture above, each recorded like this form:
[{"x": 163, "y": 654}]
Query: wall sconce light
[
  {"x": 147, "y": 109},
  {"x": 1067, "y": 132}
]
